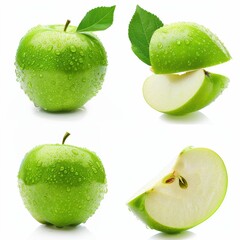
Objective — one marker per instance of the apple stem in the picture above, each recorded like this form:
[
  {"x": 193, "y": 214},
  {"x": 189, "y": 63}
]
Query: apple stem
[
  {"x": 66, "y": 25},
  {"x": 65, "y": 137}
]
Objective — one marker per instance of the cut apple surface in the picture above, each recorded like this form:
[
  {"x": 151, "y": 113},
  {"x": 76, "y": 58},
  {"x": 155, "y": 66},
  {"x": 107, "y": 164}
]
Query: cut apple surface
[
  {"x": 180, "y": 94},
  {"x": 191, "y": 192}
]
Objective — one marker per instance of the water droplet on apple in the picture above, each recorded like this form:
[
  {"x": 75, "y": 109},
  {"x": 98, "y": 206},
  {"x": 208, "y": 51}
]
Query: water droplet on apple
[
  {"x": 71, "y": 63},
  {"x": 83, "y": 80},
  {"x": 30, "y": 85},
  {"x": 76, "y": 173},
  {"x": 73, "y": 49},
  {"x": 88, "y": 198},
  {"x": 94, "y": 170},
  {"x": 65, "y": 171},
  {"x": 40, "y": 75},
  {"x": 68, "y": 189},
  {"x": 198, "y": 54},
  {"x": 74, "y": 151},
  {"x": 187, "y": 42},
  {"x": 61, "y": 169},
  {"x": 57, "y": 52},
  {"x": 72, "y": 169},
  {"x": 160, "y": 45},
  {"x": 178, "y": 42},
  {"x": 49, "y": 48}
]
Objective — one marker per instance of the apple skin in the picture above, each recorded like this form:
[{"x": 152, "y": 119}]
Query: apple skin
[
  {"x": 137, "y": 204},
  {"x": 211, "y": 88},
  {"x": 184, "y": 46},
  {"x": 61, "y": 184},
  {"x": 60, "y": 71}
]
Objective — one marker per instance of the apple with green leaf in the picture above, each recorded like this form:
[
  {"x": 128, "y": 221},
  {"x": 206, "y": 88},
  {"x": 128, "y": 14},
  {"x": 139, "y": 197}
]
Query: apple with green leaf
[
  {"x": 177, "y": 48},
  {"x": 187, "y": 195},
  {"x": 61, "y": 67},
  {"x": 61, "y": 184}
]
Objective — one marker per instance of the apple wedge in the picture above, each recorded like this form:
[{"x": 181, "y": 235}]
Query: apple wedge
[
  {"x": 185, "y": 46},
  {"x": 191, "y": 192},
  {"x": 181, "y": 94}
]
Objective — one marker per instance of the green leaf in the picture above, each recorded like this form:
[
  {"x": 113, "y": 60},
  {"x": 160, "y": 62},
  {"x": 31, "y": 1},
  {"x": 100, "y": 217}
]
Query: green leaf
[
  {"x": 141, "y": 28},
  {"x": 97, "y": 19}
]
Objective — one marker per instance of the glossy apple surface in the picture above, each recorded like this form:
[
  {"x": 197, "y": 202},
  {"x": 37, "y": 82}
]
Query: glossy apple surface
[
  {"x": 183, "y": 46},
  {"x": 181, "y": 94},
  {"x": 60, "y": 70},
  {"x": 61, "y": 184},
  {"x": 188, "y": 195}
]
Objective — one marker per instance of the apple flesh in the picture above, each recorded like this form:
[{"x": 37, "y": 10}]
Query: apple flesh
[
  {"x": 61, "y": 184},
  {"x": 60, "y": 70},
  {"x": 183, "y": 46},
  {"x": 191, "y": 192},
  {"x": 181, "y": 94}
]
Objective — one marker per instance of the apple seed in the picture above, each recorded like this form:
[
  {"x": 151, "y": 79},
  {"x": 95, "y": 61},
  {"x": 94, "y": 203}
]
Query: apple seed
[{"x": 182, "y": 182}]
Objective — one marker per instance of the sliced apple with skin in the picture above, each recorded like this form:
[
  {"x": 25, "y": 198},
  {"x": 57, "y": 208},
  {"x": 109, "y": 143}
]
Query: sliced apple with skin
[
  {"x": 191, "y": 192},
  {"x": 184, "y": 46},
  {"x": 180, "y": 94}
]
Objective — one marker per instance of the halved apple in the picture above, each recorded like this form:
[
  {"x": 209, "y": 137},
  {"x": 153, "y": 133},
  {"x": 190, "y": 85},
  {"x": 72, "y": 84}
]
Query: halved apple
[
  {"x": 180, "y": 94},
  {"x": 191, "y": 192},
  {"x": 184, "y": 46}
]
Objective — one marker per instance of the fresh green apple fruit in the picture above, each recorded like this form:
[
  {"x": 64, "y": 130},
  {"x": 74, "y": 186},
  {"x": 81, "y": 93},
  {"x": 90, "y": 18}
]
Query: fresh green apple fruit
[
  {"x": 180, "y": 94},
  {"x": 191, "y": 192},
  {"x": 183, "y": 46},
  {"x": 61, "y": 184},
  {"x": 60, "y": 70}
]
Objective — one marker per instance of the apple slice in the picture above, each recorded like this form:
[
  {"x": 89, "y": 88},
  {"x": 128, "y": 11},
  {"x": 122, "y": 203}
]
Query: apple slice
[
  {"x": 192, "y": 191},
  {"x": 180, "y": 94},
  {"x": 184, "y": 46}
]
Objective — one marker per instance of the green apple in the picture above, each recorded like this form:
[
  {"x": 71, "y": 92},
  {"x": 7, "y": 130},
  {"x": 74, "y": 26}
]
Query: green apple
[
  {"x": 180, "y": 94},
  {"x": 61, "y": 184},
  {"x": 184, "y": 46},
  {"x": 188, "y": 195},
  {"x": 59, "y": 68}
]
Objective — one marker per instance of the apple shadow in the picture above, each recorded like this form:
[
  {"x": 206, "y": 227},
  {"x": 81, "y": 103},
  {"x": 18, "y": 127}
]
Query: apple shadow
[
  {"x": 49, "y": 232},
  {"x": 81, "y": 112},
  {"x": 191, "y": 118},
  {"x": 165, "y": 236}
]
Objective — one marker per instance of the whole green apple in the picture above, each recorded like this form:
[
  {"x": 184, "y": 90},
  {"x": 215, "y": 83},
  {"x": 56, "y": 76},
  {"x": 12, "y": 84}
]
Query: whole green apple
[
  {"x": 61, "y": 184},
  {"x": 187, "y": 195},
  {"x": 59, "y": 68},
  {"x": 185, "y": 46}
]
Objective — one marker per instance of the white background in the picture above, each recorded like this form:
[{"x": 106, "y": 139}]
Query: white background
[{"x": 134, "y": 141}]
